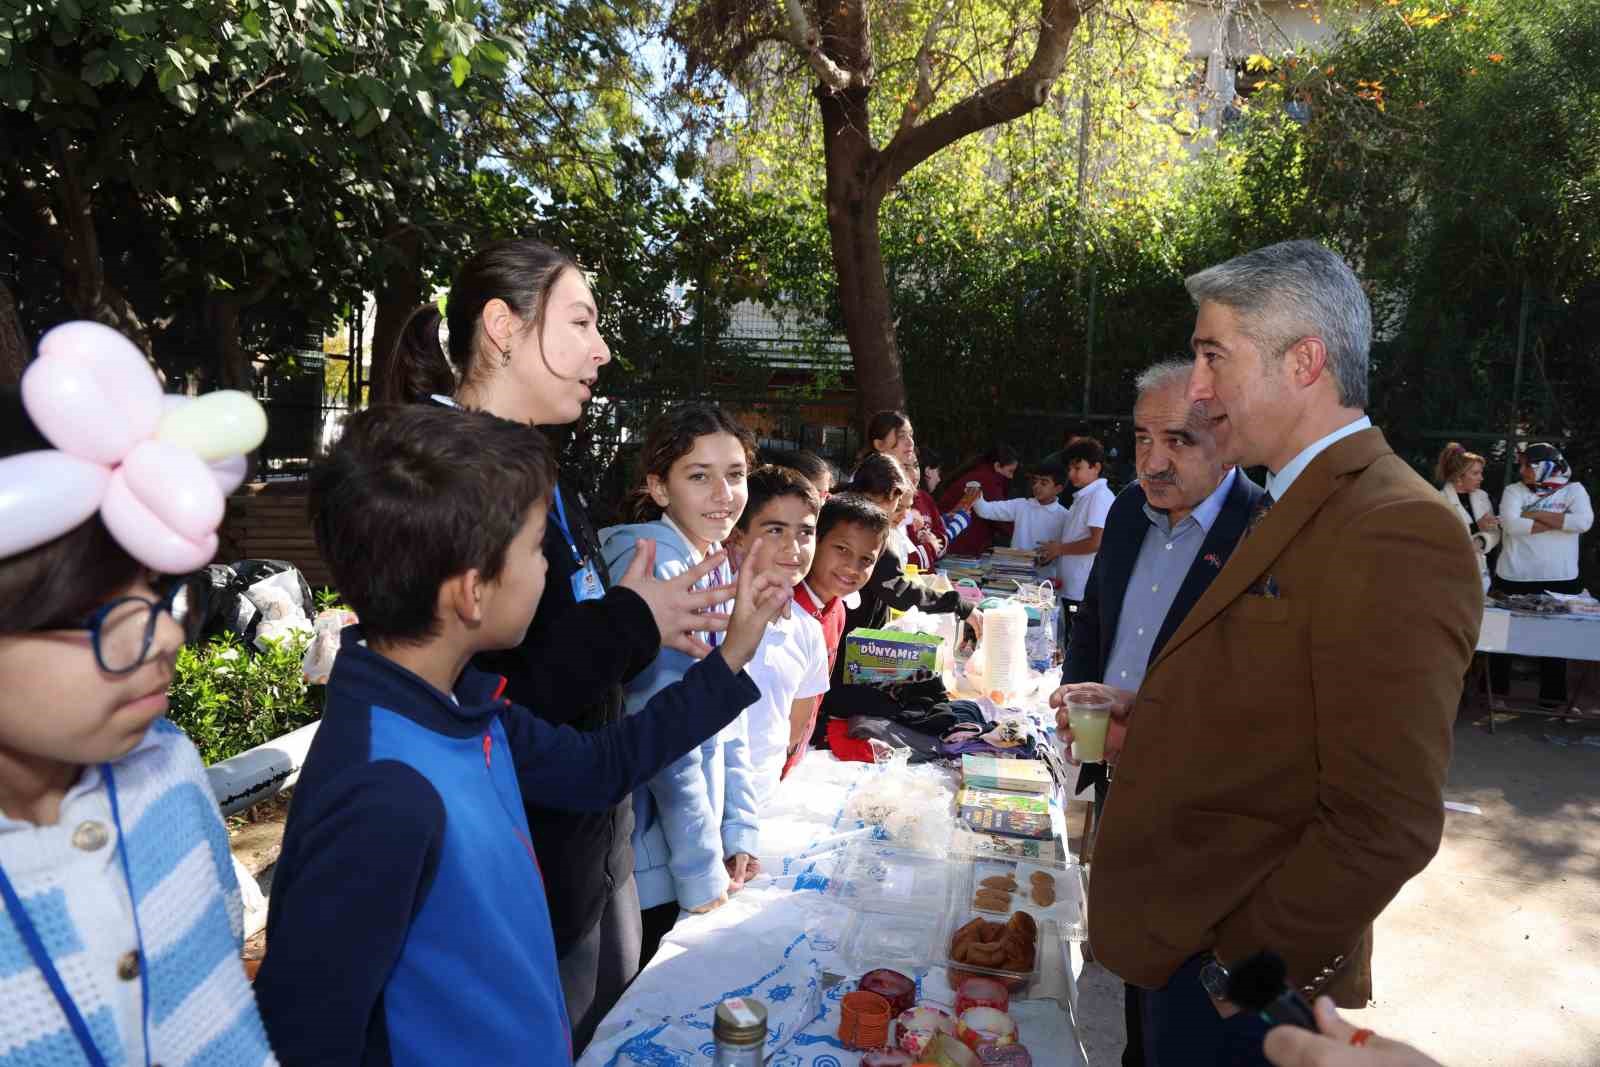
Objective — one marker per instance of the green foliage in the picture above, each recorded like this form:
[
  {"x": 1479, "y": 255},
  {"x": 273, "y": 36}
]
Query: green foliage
[
  {"x": 228, "y": 700},
  {"x": 259, "y": 160},
  {"x": 1453, "y": 151},
  {"x": 328, "y": 599}
]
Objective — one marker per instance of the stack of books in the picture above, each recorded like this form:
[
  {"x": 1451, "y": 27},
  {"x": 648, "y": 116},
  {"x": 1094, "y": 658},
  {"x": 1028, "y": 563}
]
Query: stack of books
[{"x": 1005, "y": 796}]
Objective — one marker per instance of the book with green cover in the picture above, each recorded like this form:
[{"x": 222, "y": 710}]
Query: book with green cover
[
  {"x": 1015, "y": 814},
  {"x": 1000, "y": 772}
]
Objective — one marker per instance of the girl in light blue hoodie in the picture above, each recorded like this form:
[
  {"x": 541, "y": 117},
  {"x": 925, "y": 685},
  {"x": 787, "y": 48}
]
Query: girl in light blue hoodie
[{"x": 694, "y": 834}]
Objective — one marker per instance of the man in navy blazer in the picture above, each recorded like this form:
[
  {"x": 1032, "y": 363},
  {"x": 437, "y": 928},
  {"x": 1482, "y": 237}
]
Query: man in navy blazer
[
  {"x": 1166, "y": 537},
  {"x": 1180, "y": 477}
]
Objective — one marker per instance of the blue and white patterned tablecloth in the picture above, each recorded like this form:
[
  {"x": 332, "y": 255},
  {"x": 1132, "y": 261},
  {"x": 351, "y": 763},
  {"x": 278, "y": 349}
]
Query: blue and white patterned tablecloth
[{"x": 775, "y": 941}]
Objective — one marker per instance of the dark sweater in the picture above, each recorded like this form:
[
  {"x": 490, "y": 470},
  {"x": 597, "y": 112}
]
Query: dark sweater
[
  {"x": 408, "y": 921},
  {"x": 570, "y": 670}
]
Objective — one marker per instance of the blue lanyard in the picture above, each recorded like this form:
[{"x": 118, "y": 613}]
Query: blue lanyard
[
  {"x": 566, "y": 531},
  {"x": 47, "y": 968}
]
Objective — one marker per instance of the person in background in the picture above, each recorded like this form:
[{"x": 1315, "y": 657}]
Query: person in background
[
  {"x": 791, "y": 667},
  {"x": 890, "y": 433},
  {"x": 953, "y": 522},
  {"x": 1070, "y": 435},
  {"x": 816, "y": 470},
  {"x": 696, "y": 826},
  {"x": 881, "y": 482},
  {"x": 1080, "y": 537},
  {"x": 924, "y": 527},
  {"x": 120, "y": 916},
  {"x": 851, "y": 534},
  {"x": 1460, "y": 477},
  {"x": 525, "y": 344},
  {"x": 1036, "y": 520},
  {"x": 993, "y": 473},
  {"x": 1166, "y": 538},
  {"x": 1338, "y": 1044},
  {"x": 1541, "y": 520}
]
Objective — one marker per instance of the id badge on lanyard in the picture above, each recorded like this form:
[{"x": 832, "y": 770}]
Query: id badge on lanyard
[{"x": 586, "y": 584}]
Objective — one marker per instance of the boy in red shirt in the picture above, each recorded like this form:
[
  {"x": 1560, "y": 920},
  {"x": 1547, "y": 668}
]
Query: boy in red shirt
[{"x": 850, "y": 535}]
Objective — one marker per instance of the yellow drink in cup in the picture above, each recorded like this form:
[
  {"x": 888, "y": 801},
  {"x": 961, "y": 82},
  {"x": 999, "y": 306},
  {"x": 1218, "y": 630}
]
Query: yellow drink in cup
[{"x": 1088, "y": 714}]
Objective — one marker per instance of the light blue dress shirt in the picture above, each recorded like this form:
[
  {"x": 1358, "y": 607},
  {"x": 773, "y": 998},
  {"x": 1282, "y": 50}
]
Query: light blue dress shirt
[
  {"x": 1278, "y": 484},
  {"x": 1165, "y": 558}
]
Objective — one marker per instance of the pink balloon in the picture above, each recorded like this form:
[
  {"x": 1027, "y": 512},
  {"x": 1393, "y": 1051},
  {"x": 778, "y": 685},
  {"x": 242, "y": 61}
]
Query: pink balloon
[
  {"x": 146, "y": 537},
  {"x": 91, "y": 393},
  {"x": 44, "y": 495},
  {"x": 175, "y": 486},
  {"x": 230, "y": 472}
]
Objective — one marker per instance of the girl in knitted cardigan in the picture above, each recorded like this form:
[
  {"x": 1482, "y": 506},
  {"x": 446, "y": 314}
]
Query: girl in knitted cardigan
[{"x": 120, "y": 918}]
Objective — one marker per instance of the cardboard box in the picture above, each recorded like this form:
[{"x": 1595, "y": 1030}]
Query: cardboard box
[
  {"x": 1010, "y": 775},
  {"x": 888, "y": 655},
  {"x": 1013, "y": 814}
]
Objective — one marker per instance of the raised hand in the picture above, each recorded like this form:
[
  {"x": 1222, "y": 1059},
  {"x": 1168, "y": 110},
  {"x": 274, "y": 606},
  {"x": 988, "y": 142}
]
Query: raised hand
[
  {"x": 762, "y": 597},
  {"x": 678, "y": 608}
]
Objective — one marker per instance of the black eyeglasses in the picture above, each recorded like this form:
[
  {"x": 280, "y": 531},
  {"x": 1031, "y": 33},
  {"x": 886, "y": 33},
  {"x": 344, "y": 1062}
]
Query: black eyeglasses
[{"x": 123, "y": 630}]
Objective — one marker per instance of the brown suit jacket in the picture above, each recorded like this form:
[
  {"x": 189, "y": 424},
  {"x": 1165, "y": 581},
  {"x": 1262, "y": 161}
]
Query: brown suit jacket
[{"x": 1286, "y": 757}]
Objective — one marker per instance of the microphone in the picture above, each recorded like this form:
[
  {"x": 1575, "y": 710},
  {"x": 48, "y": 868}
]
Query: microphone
[{"x": 1261, "y": 984}]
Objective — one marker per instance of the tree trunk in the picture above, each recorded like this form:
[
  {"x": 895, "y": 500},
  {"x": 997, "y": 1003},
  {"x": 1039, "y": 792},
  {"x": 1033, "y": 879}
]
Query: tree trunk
[
  {"x": 859, "y": 174},
  {"x": 854, "y": 196},
  {"x": 400, "y": 295},
  {"x": 13, "y": 347},
  {"x": 91, "y": 295},
  {"x": 234, "y": 368}
]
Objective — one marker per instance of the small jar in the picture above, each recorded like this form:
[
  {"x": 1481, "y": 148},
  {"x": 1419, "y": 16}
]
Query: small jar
[{"x": 740, "y": 1031}]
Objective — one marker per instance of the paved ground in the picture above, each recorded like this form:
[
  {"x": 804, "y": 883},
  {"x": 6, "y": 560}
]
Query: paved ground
[{"x": 1490, "y": 957}]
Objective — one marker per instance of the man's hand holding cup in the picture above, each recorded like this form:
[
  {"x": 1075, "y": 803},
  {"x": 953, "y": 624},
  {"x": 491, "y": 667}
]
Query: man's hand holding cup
[{"x": 1091, "y": 721}]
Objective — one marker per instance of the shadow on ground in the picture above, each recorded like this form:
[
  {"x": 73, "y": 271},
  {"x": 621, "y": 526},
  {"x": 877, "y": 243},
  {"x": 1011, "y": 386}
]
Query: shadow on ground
[{"x": 1491, "y": 956}]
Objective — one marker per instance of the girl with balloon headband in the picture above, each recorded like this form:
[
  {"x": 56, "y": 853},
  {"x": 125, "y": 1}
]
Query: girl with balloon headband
[{"x": 117, "y": 891}]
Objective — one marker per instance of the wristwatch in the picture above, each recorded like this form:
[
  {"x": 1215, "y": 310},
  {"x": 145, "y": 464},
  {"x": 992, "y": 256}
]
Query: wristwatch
[{"x": 1214, "y": 978}]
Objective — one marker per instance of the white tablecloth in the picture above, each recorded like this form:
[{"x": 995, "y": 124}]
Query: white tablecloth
[
  {"x": 777, "y": 941},
  {"x": 1562, "y": 636}
]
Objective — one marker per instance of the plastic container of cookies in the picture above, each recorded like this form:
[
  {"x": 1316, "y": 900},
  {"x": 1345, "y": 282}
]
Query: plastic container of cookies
[
  {"x": 1014, "y": 979},
  {"x": 1068, "y": 908}
]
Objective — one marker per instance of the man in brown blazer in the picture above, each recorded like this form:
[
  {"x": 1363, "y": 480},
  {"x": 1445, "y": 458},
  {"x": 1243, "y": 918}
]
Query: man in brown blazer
[{"x": 1281, "y": 772}]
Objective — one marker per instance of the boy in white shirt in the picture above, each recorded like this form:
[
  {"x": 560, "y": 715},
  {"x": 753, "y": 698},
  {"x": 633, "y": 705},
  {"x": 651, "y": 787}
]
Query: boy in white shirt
[
  {"x": 1086, "y": 520},
  {"x": 1039, "y": 519},
  {"x": 791, "y": 665}
]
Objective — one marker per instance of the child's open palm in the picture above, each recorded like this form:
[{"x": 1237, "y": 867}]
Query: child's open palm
[{"x": 762, "y": 596}]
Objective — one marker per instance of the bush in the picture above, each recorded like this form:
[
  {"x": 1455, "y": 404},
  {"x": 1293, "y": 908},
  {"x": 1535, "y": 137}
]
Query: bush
[{"x": 229, "y": 700}]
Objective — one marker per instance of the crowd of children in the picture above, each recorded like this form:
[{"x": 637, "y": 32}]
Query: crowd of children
[{"x": 411, "y": 916}]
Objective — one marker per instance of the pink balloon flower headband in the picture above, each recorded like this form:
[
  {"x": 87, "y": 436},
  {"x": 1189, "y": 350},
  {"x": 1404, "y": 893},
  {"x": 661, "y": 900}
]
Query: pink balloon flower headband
[{"x": 157, "y": 467}]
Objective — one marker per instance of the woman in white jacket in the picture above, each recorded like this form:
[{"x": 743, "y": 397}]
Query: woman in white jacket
[
  {"x": 1460, "y": 475},
  {"x": 1540, "y": 522}
]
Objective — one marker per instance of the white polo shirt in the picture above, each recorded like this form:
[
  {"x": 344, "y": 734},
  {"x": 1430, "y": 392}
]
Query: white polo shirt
[
  {"x": 1089, "y": 507},
  {"x": 790, "y": 664}
]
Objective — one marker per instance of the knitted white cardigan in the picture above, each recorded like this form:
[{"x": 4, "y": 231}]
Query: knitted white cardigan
[{"x": 201, "y": 1008}]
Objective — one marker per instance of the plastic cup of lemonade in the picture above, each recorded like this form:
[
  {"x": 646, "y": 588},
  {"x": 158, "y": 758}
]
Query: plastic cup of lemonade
[{"x": 1089, "y": 714}]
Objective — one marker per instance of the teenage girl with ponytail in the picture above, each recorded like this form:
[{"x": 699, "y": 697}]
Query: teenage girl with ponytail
[{"x": 524, "y": 344}]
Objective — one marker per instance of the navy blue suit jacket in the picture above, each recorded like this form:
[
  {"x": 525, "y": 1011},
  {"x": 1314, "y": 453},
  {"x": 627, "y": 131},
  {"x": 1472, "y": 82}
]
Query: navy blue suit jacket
[{"x": 1094, "y": 626}]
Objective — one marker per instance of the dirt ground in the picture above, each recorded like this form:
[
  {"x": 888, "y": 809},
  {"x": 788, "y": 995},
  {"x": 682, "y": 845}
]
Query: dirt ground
[{"x": 1491, "y": 956}]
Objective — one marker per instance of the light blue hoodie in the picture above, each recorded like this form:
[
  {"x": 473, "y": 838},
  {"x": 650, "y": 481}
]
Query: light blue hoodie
[{"x": 702, "y": 807}]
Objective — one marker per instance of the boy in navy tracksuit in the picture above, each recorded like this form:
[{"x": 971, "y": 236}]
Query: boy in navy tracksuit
[{"x": 408, "y": 922}]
